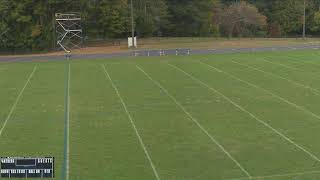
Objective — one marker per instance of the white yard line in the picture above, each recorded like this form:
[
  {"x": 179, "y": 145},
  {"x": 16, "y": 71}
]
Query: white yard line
[
  {"x": 17, "y": 101},
  {"x": 265, "y": 90},
  {"x": 216, "y": 142},
  {"x": 315, "y": 91},
  {"x": 132, "y": 123},
  {"x": 279, "y": 175},
  {"x": 249, "y": 113}
]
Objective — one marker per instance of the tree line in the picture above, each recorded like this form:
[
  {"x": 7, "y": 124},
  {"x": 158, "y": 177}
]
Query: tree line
[{"x": 29, "y": 24}]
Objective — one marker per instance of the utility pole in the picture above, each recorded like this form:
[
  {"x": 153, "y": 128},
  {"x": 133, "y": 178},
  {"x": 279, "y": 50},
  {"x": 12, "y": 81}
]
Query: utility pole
[
  {"x": 304, "y": 20},
  {"x": 132, "y": 25}
]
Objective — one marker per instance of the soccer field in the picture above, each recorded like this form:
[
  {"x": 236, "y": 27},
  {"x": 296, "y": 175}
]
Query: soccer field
[{"x": 231, "y": 117}]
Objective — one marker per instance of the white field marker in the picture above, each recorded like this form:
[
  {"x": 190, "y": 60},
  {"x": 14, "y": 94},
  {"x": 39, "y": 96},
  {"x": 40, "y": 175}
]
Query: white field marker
[
  {"x": 216, "y": 142},
  {"x": 17, "y": 101},
  {"x": 132, "y": 123},
  {"x": 265, "y": 90},
  {"x": 249, "y": 113}
]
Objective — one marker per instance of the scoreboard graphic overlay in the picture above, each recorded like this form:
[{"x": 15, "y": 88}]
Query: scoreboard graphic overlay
[{"x": 26, "y": 167}]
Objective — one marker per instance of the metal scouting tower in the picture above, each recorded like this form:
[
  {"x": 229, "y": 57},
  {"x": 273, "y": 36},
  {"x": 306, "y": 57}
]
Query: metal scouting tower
[{"x": 68, "y": 31}]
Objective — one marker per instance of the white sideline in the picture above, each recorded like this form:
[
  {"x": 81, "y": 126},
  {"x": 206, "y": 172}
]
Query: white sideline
[
  {"x": 315, "y": 91},
  {"x": 196, "y": 122},
  {"x": 278, "y": 175},
  {"x": 17, "y": 100},
  {"x": 267, "y": 91},
  {"x": 132, "y": 123},
  {"x": 68, "y": 124},
  {"x": 249, "y": 113}
]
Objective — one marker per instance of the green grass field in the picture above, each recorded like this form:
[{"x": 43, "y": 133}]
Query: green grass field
[{"x": 231, "y": 117}]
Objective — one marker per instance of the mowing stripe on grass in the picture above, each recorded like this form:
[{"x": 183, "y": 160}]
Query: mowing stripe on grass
[
  {"x": 311, "y": 63},
  {"x": 265, "y": 90},
  {"x": 3, "y": 70},
  {"x": 17, "y": 100},
  {"x": 298, "y": 62},
  {"x": 315, "y": 91},
  {"x": 279, "y": 175},
  {"x": 279, "y": 64},
  {"x": 132, "y": 123},
  {"x": 249, "y": 113},
  {"x": 65, "y": 167},
  {"x": 216, "y": 142}
]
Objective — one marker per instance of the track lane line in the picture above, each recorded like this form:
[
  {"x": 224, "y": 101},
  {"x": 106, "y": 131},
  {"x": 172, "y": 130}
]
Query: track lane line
[
  {"x": 17, "y": 100},
  {"x": 216, "y": 142},
  {"x": 249, "y": 113},
  {"x": 132, "y": 123},
  {"x": 303, "y": 109}
]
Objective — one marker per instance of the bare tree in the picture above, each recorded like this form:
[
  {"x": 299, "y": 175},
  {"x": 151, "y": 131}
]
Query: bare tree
[{"x": 239, "y": 15}]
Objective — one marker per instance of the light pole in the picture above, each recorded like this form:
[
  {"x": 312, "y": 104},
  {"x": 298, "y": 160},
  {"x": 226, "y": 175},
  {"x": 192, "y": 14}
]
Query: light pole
[{"x": 132, "y": 25}]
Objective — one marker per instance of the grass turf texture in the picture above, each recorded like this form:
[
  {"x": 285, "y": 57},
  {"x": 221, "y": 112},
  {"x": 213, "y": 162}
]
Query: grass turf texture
[{"x": 231, "y": 116}]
